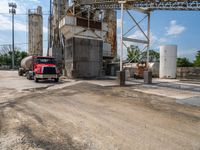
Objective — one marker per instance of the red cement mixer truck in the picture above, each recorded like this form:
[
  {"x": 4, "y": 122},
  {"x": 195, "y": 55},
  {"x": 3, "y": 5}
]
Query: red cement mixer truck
[{"x": 39, "y": 68}]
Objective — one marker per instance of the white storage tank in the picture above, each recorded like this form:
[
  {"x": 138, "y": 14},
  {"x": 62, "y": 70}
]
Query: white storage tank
[{"x": 168, "y": 56}]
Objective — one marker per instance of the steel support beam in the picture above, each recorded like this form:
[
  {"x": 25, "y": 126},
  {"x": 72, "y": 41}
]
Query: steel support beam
[
  {"x": 148, "y": 36},
  {"x": 135, "y": 40},
  {"x": 137, "y": 24},
  {"x": 121, "y": 36}
]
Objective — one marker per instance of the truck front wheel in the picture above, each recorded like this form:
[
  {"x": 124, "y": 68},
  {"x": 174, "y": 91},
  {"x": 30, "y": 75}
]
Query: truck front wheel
[
  {"x": 56, "y": 79},
  {"x": 20, "y": 72},
  {"x": 28, "y": 76},
  {"x": 36, "y": 79}
]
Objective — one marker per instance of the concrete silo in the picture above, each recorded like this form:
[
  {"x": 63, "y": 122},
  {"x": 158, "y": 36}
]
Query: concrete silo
[{"x": 35, "y": 32}]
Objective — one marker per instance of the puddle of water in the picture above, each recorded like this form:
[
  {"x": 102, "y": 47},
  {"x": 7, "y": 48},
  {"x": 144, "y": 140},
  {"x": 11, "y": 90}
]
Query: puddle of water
[{"x": 194, "y": 101}]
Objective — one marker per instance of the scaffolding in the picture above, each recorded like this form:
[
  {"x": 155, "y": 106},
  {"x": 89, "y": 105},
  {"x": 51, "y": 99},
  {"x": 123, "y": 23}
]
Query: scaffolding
[
  {"x": 143, "y": 6},
  {"x": 89, "y": 7}
]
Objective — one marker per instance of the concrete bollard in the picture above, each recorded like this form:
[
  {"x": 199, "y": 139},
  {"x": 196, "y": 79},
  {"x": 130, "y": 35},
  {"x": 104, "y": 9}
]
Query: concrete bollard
[
  {"x": 121, "y": 77},
  {"x": 147, "y": 77}
]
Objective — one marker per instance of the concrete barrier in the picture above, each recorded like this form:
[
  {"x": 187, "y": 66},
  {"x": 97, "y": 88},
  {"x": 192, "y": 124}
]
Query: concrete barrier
[{"x": 188, "y": 72}]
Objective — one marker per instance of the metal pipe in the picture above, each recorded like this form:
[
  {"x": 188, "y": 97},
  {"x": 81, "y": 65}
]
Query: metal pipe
[
  {"x": 121, "y": 38},
  {"x": 12, "y": 10},
  {"x": 88, "y": 18},
  {"x": 148, "y": 35},
  {"x": 13, "y": 42}
]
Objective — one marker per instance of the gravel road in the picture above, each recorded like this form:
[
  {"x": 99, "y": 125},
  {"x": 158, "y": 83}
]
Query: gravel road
[{"x": 85, "y": 116}]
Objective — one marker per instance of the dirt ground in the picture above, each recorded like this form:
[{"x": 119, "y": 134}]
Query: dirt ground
[{"x": 85, "y": 116}]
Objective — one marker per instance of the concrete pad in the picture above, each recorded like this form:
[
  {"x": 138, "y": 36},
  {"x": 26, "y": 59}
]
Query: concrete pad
[
  {"x": 105, "y": 83},
  {"x": 167, "y": 92},
  {"x": 60, "y": 86},
  {"x": 194, "y": 101},
  {"x": 11, "y": 80}
]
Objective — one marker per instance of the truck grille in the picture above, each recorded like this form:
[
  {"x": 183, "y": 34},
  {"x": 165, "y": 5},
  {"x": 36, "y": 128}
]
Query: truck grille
[{"x": 49, "y": 70}]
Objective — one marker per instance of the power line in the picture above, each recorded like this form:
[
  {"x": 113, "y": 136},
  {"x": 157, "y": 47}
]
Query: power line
[
  {"x": 19, "y": 43},
  {"x": 46, "y": 14}
]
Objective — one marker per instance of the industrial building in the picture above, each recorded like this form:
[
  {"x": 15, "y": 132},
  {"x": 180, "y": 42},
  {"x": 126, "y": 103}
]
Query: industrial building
[
  {"x": 81, "y": 38},
  {"x": 82, "y": 34}
]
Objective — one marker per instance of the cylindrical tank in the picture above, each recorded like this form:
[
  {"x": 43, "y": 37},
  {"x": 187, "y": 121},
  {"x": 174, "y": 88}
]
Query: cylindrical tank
[
  {"x": 35, "y": 32},
  {"x": 27, "y": 63},
  {"x": 168, "y": 56}
]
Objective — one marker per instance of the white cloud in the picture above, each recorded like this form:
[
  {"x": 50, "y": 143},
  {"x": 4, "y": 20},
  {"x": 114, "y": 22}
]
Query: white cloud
[
  {"x": 2, "y": 40},
  {"x": 45, "y": 29},
  {"x": 163, "y": 40},
  {"x": 5, "y": 24},
  {"x": 4, "y": 6},
  {"x": 139, "y": 35},
  {"x": 22, "y": 8},
  {"x": 174, "y": 28},
  {"x": 136, "y": 35},
  {"x": 22, "y": 5}
]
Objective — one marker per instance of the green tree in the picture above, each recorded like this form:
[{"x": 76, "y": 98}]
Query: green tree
[
  {"x": 134, "y": 54},
  {"x": 154, "y": 56},
  {"x": 6, "y": 55},
  {"x": 184, "y": 62},
  {"x": 5, "y": 59},
  {"x": 19, "y": 55},
  {"x": 197, "y": 60}
]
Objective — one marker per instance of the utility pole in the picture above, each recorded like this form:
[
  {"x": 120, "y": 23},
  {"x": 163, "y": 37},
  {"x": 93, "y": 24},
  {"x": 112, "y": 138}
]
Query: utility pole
[{"x": 12, "y": 11}]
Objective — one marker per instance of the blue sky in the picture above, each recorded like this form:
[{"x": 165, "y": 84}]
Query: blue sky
[
  {"x": 21, "y": 19},
  {"x": 167, "y": 27}
]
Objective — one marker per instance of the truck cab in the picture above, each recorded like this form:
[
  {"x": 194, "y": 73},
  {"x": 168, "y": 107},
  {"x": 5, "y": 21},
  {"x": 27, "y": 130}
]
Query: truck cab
[
  {"x": 39, "y": 68},
  {"x": 45, "y": 68}
]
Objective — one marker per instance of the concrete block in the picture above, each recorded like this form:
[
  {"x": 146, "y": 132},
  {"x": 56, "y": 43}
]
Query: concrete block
[
  {"x": 147, "y": 77},
  {"x": 83, "y": 58},
  {"x": 121, "y": 77}
]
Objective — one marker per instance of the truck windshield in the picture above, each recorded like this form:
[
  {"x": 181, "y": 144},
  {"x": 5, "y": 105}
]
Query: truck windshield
[{"x": 45, "y": 61}]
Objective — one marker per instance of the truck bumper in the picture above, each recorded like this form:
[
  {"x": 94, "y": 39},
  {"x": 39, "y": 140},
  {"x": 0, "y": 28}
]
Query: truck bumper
[{"x": 46, "y": 76}]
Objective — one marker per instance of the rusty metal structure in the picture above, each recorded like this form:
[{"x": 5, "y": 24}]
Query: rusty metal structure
[
  {"x": 96, "y": 20},
  {"x": 35, "y": 32},
  {"x": 73, "y": 25},
  {"x": 82, "y": 18},
  {"x": 144, "y": 5},
  {"x": 55, "y": 47}
]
